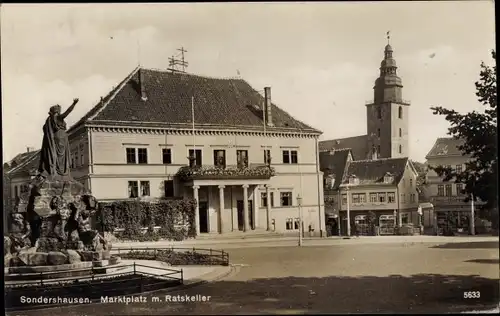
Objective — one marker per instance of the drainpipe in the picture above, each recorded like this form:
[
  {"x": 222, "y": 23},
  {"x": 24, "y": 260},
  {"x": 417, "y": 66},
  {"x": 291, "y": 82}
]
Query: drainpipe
[{"x": 399, "y": 207}]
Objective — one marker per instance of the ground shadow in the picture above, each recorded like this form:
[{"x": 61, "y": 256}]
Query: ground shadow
[
  {"x": 422, "y": 293},
  {"x": 490, "y": 261},
  {"x": 469, "y": 245}
]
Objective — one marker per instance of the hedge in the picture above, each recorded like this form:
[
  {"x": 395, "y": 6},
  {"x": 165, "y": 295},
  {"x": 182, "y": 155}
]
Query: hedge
[
  {"x": 175, "y": 257},
  {"x": 133, "y": 215}
]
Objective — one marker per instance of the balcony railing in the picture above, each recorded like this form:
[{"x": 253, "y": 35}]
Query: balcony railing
[
  {"x": 402, "y": 101},
  {"x": 229, "y": 172}
]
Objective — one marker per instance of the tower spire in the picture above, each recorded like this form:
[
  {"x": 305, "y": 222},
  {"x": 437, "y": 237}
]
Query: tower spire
[{"x": 388, "y": 37}]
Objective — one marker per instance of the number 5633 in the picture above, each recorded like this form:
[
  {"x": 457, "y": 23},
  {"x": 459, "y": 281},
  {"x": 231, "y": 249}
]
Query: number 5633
[{"x": 472, "y": 294}]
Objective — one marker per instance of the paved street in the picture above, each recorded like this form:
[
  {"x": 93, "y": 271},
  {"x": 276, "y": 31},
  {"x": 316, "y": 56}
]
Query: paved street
[{"x": 364, "y": 277}]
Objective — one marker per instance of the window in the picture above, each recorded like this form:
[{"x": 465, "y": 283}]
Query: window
[
  {"x": 242, "y": 158},
  {"x": 286, "y": 198},
  {"x": 196, "y": 154},
  {"x": 440, "y": 190},
  {"x": 388, "y": 178},
  {"x": 290, "y": 156},
  {"x": 411, "y": 183},
  {"x": 76, "y": 160},
  {"x": 220, "y": 158},
  {"x": 358, "y": 198},
  {"x": 296, "y": 223},
  {"x": 381, "y": 197},
  {"x": 145, "y": 191},
  {"x": 404, "y": 218},
  {"x": 400, "y": 149},
  {"x": 378, "y": 132},
  {"x": 379, "y": 113},
  {"x": 378, "y": 149},
  {"x": 289, "y": 224},
  {"x": 167, "y": 156},
  {"x": 400, "y": 112},
  {"x": 458, "y": 168},
  {"x": 344, "y": 199},
  {"x": 400, "y": 132},
  {"x": 272, "y": 199},
  {"x": 82, "y": 161},
  {"x": 130, "y": 155},
  {"x": 391, "y": 197},
  {"x": 403, "y": 198},
  {"x": 267, "y": 156},
  {"x": 133, "y": 189},
  {"x": 373, "y": 197},
  {"x": 16, "y": 191},
  {"x": 168, "y": 186},
  {"x": 142, "y": 154},
  {"x": 353, "y": 180},
  {"x": 263, "y": 199},
  {"x": 412, "y": 198},
  {"x": 72, "y": 161},
  {"x": 448, "y": 190},
  {"x": 460, "y": 188}
]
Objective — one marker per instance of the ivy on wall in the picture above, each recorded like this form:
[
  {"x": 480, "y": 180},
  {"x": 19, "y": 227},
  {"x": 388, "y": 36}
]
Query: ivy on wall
[{"x": 163, "y": 219}]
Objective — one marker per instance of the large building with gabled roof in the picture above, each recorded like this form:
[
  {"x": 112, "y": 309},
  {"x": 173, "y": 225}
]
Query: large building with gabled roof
[{"x": 163, "y": 134}]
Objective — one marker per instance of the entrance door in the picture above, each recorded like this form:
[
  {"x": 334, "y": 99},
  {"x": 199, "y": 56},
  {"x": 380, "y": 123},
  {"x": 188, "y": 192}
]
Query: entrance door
[
  {"x": 239, "y": 207},
  {"x": 203, "y": 207}
]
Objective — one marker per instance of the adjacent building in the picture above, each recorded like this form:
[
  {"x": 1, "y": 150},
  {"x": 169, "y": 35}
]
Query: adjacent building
[
  {"x": 450, "y": 209},
  {"x": 158, "y": 134},
  {"x": 372, "y": 172}
]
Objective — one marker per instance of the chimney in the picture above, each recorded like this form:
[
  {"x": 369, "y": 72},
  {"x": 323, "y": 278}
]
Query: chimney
[
  {"x": 144, "y": 97},
  {"x": 30, "y": 149},
  {"x": 268, "y": 107}
]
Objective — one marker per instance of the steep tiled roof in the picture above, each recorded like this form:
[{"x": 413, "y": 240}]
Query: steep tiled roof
[
  {"x": 373, "y": 171},
  {"x": 445, "y": 146},
  {"x": 334, "y": 162},
  {"x": 28, "y": 165},
  {"x": 357, "y": 144},
  {"x": 226, "y": 103}
]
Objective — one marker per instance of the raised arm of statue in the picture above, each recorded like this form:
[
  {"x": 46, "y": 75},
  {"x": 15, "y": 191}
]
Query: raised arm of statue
[{"x": 71, "y": 107}]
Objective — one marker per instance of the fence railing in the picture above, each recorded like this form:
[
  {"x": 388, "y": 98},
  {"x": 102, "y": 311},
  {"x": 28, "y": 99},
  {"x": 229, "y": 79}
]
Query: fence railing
[
  {"x": 94, "y": 273},
  {"x": 215, "y": 256}
]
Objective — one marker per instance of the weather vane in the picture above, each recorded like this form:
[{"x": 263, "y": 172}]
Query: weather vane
[{"x": 388, "y": 37}]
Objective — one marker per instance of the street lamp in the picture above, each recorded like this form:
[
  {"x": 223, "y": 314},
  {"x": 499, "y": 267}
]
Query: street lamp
[{"x": 299, "y": 203}]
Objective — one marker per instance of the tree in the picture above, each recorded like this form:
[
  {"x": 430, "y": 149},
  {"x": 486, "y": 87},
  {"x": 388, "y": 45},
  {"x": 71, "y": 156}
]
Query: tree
[{"x": 478, "y": 130}]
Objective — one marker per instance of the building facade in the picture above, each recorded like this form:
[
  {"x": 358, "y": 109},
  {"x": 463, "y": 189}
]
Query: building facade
[
  {"x": 160, "y": 134},
  {"x": 450, "y": 209}
]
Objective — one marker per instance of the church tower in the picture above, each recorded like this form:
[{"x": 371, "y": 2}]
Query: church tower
[{"x": 387, "y": 114}]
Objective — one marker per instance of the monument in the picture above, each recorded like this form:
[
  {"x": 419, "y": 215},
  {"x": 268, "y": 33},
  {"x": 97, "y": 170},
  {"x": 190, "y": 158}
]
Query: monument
[{"x": 54, "y": 228}]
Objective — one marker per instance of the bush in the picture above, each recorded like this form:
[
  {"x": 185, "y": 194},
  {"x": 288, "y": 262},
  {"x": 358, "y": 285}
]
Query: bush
[
  {"x": 174, "y": 257},
  {"x": 132, "y": 216}
]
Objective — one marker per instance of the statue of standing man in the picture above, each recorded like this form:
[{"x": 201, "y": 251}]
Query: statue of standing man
[{"x": 54, "y": 155}]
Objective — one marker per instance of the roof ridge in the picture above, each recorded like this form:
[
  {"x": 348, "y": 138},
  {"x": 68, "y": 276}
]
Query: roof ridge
[
  {"x": 379, "y": 159},
  {"x": 192, "y": 74}
]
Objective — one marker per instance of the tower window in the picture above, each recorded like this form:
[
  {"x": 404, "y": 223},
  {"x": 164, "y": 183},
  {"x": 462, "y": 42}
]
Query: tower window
[
  {"x": 378, "y": 132},
  {"x": 378, "y": 150},
  {"x": 400, "y": 112},
  {"x": 400, "y": 133},
  {"x": 400, "y": 149},
  {"x": 379, "y": 113}
]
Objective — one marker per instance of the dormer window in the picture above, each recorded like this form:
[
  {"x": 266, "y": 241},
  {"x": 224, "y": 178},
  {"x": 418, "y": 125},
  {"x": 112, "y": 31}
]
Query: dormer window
[
  {"x": 330, "y": 181},
  {"x": 353, "y": 180},
  {"x": 388, "y": 178}
]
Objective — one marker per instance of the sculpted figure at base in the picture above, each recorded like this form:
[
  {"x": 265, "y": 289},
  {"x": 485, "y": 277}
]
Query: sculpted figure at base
[
  {"x": 54, "y": 154},
  {"x": 20, "y": 232}
]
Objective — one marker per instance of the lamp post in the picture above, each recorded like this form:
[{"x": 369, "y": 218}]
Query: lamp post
[
  {"x": 348, "y": 213},
  {"x": 299, "y": 203}
]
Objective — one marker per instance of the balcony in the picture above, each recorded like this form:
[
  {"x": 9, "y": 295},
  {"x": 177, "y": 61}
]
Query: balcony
[
  {"x": 229, "y": 172},
  {"x": 401, "y": 101}
]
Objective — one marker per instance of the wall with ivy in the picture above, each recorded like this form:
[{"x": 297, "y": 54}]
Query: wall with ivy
[{"x": 148, "y": 221}]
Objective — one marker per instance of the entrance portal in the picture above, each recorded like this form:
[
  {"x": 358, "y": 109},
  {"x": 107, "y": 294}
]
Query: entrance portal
[
  {"x": 203, "y": 208},
  {"x": 239, "y": 207}
]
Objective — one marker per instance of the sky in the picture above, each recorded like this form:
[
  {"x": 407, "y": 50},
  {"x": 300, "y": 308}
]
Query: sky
[{"x": 320, "y": 59}]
